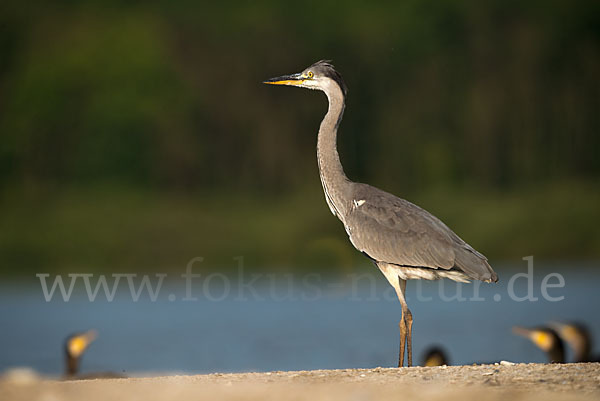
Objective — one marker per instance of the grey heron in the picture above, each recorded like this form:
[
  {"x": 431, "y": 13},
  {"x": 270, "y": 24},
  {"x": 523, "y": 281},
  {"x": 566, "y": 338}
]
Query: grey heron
[{"x": 403, "y": 240}]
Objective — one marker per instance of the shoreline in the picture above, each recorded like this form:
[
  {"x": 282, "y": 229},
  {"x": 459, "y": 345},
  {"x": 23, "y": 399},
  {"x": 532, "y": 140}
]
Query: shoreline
[{"x": 521, "y": 381}]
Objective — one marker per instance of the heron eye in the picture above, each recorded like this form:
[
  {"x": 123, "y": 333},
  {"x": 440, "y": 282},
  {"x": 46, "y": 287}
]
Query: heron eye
[{"x": 310, "y": 74}]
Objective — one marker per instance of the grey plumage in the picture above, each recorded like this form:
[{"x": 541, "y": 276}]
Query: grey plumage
[
  {"x": 404, "y": 240},
  {"x": 394, "y": 231}
]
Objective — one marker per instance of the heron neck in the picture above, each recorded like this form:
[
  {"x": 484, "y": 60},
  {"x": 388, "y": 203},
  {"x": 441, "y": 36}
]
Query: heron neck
[{"x": 332, "y": 174}]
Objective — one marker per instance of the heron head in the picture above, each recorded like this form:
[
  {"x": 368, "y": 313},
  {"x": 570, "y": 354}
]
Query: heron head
[{"x": 321, "y": 76}]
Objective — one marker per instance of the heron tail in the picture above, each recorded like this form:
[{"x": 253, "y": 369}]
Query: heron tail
[{"x": 475, "y": 265}]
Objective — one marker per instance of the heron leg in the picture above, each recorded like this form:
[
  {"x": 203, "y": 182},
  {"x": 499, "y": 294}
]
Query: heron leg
[
  {"x": 391, "y": 274},
  {"x": 408, "y": 320},
  {"x": 405, "y": 326},
  {"x": 402, "y": 326}
]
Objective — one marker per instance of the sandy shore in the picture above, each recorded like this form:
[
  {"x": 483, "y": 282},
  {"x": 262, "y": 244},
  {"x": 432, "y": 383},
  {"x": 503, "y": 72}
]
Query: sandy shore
[{"x": 460, "y": 383}]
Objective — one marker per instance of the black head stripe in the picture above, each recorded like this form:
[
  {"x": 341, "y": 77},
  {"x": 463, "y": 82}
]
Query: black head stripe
[{"x": 327, "y": 69}]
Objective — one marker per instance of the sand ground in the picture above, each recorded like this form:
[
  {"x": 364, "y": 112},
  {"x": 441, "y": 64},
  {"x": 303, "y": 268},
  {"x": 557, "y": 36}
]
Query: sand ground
[{"x": 460, "y": 383}]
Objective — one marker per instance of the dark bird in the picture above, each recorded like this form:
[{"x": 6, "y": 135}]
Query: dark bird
[
  {"x": 75, "y": 346},
  {"x": 545, "y": 339},
  {"x": 579, "y": 338},
  {"x": 434, "y": 356},
  {"x": 403, "y": 240}
]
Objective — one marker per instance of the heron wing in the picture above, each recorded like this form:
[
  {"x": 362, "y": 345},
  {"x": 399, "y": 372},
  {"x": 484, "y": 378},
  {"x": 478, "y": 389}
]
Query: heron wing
[{"x": 393, "y": 230}]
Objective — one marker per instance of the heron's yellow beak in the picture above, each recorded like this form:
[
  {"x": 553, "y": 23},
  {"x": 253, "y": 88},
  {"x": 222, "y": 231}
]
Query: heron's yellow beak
[{"x": 293, "y": 80}]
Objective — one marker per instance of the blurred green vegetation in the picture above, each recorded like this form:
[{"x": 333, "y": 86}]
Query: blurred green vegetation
[{"x": 137, "y": 135}]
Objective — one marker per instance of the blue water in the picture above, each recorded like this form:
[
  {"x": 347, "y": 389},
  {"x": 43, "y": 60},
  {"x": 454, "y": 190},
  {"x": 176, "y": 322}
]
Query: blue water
[{"x": 337, "y": 324}]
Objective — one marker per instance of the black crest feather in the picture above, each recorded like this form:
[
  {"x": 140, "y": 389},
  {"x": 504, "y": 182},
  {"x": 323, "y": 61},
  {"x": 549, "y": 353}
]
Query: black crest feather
[{"x": 328, "y": 70}]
